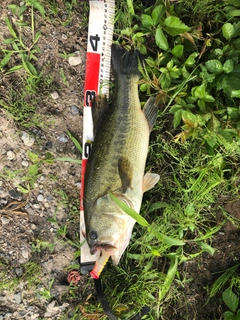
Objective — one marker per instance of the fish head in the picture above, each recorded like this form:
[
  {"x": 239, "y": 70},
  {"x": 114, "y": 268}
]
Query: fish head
[{"x": 109, "y": 229}]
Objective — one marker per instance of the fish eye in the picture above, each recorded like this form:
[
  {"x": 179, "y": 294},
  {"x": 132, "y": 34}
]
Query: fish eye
[{"x": 93, "y": 235}]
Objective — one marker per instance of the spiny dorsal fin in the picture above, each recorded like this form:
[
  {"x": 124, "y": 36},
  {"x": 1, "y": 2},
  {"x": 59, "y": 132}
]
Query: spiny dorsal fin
[
  {"x": 149, "y": 181},
  {"x": 99, "y": 108},
  {"x": 150, "y": 110},
  {"x": 125, "y": 171}
]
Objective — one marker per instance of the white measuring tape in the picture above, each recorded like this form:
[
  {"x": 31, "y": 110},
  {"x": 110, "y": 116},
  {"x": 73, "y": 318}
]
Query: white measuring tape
[{"x": 98, "y": 63}]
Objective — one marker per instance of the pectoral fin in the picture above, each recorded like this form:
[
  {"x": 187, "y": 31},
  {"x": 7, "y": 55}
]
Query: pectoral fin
[
  {"x": 99, "y": 108},
  {"x": 125, "y": 171},
  {"x": 149, "y": 181},
  {"x": 150, "y": 110}
]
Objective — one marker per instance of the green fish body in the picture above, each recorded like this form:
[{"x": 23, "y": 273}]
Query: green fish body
[{"x": 117, "y": 159}]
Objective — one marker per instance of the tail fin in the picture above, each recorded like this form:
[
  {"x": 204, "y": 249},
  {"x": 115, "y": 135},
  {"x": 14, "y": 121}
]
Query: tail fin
[{"x": 125, "y": 63}]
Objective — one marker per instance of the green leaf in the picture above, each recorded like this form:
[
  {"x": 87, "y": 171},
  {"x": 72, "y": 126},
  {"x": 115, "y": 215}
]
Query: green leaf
[
  {"x": 230, "y": 299},
  {"x": 15, "y": 68},
  {"x": 130, "y": 7},
  {"x": 33, "y": 156},
  {"x": 5, "y": 59},
  {"x": 132, "y": 213},
  {"x": 157, "y": 14},
  {"x": 233, "y": 112},
  {"x": 204, "y": 246},
  {"x": 163, "y": 238},
  {"x": 227, "y": 30},
  {"x": 214, "y": 66},
  {"x": 161, "y": 39},
  {"x": 191, "y": 60},
  {"x": 235, "y": 93},
  {"x": 10, "y": 28},
  {"x": 147, "y": 21},
  {"x": 233, "y": 13},
  {"x": 37, "y": 6},
  {"x": 157, "y": 205},
  {"x": 228, "y": 315},
  {"x": 33, "y": 169},
  {"x": 177, "y": 51},
  {"x": 177, "y": 118},
  {"x": 174, "y": 26},
  {"x": 169, "y": 279},
  {"x": 74, "y": 140},
  {"x": 199, "y": 92},
  {"x": 228, "y": 66},
  {"x": 67, "y": 159}
]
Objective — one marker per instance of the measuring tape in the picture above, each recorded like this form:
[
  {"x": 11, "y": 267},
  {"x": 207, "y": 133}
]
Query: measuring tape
[{"x": 98, "y": 62}]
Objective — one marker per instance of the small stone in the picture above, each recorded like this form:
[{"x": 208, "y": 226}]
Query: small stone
[
  {"x": 4, "y": 220},
  {"x": 64, "y": 36},
  {"x": 76, "y": 59},
  {"x": 19, "y": 272},
  {"x": 27, "y": 139},
  {"x": 33, "y": 226},
  {"x": 18, "y": 297},
  {"x": 25, "y": 253},
  {"x": 54, "y": 95},
  {"x": 11, "y": 155},
  {"x": 49, "y": 145},
  {"x": 62, "y": 138},
  {"x": 14, "y": 194},
  {"x": 40, "y": 198},
  {"x": 24, "y": 163},
  {"x": 1, "y": 183},
  {"x": 49, "y": 198},
  {"x": 30, "y": 211},
  {"x": 74, "y": 110}
]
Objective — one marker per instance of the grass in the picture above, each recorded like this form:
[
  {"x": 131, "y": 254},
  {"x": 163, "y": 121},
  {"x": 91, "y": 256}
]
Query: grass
[{"x": 192, "y": 67}]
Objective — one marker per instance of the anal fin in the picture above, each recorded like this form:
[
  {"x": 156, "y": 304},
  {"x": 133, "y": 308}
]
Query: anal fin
[{"x": 149, "y": 181}]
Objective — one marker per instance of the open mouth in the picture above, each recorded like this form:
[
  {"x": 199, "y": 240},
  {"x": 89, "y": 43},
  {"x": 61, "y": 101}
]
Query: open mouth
[{"x": 110, "y": 249}]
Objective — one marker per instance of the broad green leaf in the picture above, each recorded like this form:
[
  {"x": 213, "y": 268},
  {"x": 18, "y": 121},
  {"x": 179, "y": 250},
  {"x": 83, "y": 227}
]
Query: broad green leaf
[
  {"x": 236, "y": 26},
  {"x": 233, "y": 13},
  {"x": 157, "y": 14},
  {"x": 33, "y": 156},
  {"x": 31, "y": 69},
  {"x": 227, "y": 30},
  {"x": 228, "y": 315},
  {"x": 233, "y": 112},
  {"x": 165, "y": 81},
  {"x": 235, "y": 94},
  {"x": 14, "y": 8},
  {"x": 230, "y": 299},
  {"x": 161, "y": 39},
  {"x": 228, "y": 66},
  {"x": 177, "y": 118},
  {"x": 147, "y": 21},
  {"x": 199, "y": 92},
  {"x": 177, "y": 51},
  {"x": 208, "y": 98},
  {"x": 132, "y": 213},
  {"x": 174, "y": 26},
  {"x": 214, "y": 66},
  {"x": 130, "y": 7},
  {"x": 204, "y": 246},
  {"x": 37, "y": 6},
  {"x": 33, "y": 169},
  {"x": 191, "y": 60}
]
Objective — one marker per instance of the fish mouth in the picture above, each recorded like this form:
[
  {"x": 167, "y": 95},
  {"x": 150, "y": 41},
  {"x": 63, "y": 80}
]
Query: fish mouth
[{"x": 109, "y": 248}]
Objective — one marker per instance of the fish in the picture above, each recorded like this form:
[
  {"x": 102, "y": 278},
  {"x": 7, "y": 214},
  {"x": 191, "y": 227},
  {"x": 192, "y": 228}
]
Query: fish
[{"x": 117, "y": 160}]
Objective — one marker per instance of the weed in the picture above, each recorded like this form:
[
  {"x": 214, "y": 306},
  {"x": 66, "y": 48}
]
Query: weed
[
  {"x": 46, "y": 292},
  {"x": 232, "y": 302}
]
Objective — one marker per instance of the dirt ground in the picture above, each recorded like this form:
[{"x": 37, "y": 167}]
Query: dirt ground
[{"x": 26, "y": 234}]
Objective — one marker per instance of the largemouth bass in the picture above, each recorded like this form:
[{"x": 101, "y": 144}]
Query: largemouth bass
[{"x": 117, "y": 161}]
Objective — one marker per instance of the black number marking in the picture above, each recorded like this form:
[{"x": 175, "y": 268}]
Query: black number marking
[
  {"x": 94, "y": 42},
  {"x": 90, "y": 99}
]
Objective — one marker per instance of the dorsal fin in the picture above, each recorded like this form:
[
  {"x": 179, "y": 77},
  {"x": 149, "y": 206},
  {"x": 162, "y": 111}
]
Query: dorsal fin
[
  {"x": 150, "y": 110},
  {"x": 99, "y": 108}
]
